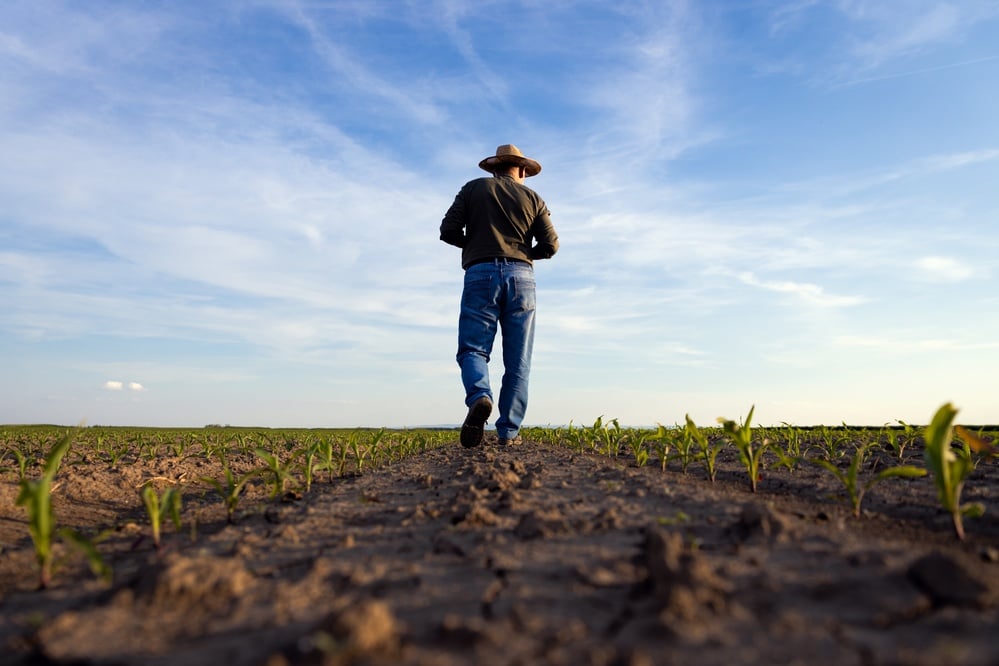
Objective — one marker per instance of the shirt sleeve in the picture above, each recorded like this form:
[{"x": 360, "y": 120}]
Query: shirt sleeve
[
  {"x": 544, "y": 233},
  {"x": 453, "y": 224}
]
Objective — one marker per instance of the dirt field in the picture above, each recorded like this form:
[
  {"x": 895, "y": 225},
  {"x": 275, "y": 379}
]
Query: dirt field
[{"x": 527, "y": 555}]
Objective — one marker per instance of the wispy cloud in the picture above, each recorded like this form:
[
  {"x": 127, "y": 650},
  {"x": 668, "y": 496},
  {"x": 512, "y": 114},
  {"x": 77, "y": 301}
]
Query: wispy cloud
[
  {"x": 876, "y": 41},
  {"x": 356, "y": 76},
  {"x": 914, "y": 345},
  {"x": 944, "y": 269},
  {"x": 925, "y": 23},
  {"x": 810, "y": 293},
  {"x": 646, "y": 95}
]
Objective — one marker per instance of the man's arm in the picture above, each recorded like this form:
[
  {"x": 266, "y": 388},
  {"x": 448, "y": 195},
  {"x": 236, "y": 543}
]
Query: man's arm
[
  {"x": 544, "y": 233},
  {"x": 453, "y": 224}
]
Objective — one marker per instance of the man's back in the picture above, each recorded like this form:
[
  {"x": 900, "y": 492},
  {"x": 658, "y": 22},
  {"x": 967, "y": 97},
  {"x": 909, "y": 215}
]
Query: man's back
[{"x": 499, "y": 217}]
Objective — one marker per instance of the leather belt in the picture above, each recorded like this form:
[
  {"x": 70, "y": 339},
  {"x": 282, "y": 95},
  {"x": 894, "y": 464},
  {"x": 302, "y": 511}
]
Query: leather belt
[{"x": 497, "y": 260}]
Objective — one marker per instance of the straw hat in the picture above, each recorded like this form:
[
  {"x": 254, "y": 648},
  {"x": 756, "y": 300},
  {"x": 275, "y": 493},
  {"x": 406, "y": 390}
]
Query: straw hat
[{"x": 510, "y": 154}]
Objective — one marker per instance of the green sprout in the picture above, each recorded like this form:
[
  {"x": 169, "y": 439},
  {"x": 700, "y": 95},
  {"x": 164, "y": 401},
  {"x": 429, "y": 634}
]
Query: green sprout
[
  {"x": 160, "y": 506},
  {"x": 832, "y": 442},
  {"x": 685, "y": 448},
  {"x": 750, "y": 455},
  {"x": 36, "y": 497},
  {"x": 850, "y": 478},
  {"x": 639, "y": 447},
  {"x": 231, "y": 487},
  {"x": 950, "y": 468},
  {"x": 709, "y": 451},
  {"x": 309, "y": 452},
  {"x": 22, "y": 464},
  {"x": 343, "y": 453},
  {"x": 607, "y": 438},
  {"x": 579, "y": 438},
  {"x": 280, "y": 472},
  {"x": 664, "y": 444},
  {"x": 362, "y": 452}
]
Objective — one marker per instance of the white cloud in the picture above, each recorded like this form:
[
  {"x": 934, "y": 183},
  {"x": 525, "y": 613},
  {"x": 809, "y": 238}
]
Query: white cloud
[
  {"x": 944, "y": 269},
  {"x": 136, "y": 386},
  {"x": 114, "y": 385},
  {"x": 913, "y": 344},
  {"x": 893, "y": 37},
  {"x": 811, "y": 293},
  {"x": 874, "y": 40},
  {"x": 647, "y": 97}
]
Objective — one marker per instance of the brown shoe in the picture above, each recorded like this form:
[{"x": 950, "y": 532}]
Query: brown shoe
[
  {"x": 474, "y": 426},
  {"x": 516, "y": 441}
]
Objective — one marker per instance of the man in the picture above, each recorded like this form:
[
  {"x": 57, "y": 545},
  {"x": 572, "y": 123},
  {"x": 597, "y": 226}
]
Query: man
[{"x": 501, "y": 226}]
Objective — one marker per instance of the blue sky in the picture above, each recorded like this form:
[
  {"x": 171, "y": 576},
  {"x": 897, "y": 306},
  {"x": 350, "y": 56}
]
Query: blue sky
[{"x": 228, "y": 211}]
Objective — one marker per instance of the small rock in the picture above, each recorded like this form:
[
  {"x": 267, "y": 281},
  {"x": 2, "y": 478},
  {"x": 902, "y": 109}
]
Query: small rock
[
  {"x": 682, "y": 579},
  {"x": 947, "y": 582},
  {"x": 530, "y": 481},
  {"x": 757, "y": 522},
  {"x": 539, "y": 524},
  {"x": 366, "y": 627}
]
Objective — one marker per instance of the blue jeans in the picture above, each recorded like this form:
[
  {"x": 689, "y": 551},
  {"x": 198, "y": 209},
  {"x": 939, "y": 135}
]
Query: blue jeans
[{"x": 501, "y": 294}]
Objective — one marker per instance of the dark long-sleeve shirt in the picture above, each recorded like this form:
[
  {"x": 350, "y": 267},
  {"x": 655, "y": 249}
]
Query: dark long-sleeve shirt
[{"x": 499, "y": 217}]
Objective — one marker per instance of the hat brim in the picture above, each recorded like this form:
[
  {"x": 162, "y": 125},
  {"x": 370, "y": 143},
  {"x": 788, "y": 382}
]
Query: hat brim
[{"x": 493, "y": 162}]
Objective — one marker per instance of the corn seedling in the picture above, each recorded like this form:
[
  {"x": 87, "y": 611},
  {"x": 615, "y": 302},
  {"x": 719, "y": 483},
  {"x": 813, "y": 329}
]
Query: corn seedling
[
  {"x": 231, "y": 487},
  {"x": 850, "y": 479},
  {"x": 160, "y": 506},
  {"x": 308, "y": 453},
  {"x": 606, "y": 438},
  {"x": 89, "y": 549},
  {"x": 326, "y": 450},
  {"x": 362, "y": 452},
  {"x": 36, "y": 497},
  {"x": 750, "y": 455},
  {"x": 582, "y": 438},
  {"x": 149, "y": 451},
  {"x": 639, "y": 448},
  {"x": 950, "y": 468},
  {"x": 976, "y": 442},
  {"x": 789, "y": 452},
  {"x": 897, "y": 440},
  {"x": 280, "y": 472},
  {"x": 709, "y": 451},
  {"x": 343, "y": 453},
  {"x": 111, "y": 450},
  {"x": 792, "y": 440},
  {"x": 22, "y": 464},
  {"x": 211, "y": 446},
  {"x": 686, "y": 449},
  {"x": 832, "y": 442},
  {"x": 179, "y": 447},
  {"x": 784, "y": 459},
  {"x": 614, "y": 438},
  {"x": 664, "y": 444}
]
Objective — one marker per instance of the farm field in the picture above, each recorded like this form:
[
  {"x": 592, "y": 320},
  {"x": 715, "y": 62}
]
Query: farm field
[{"x": 577, "y": 547}]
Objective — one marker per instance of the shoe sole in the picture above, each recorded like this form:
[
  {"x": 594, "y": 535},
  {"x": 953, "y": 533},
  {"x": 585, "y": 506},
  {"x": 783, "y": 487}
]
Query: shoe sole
[{"x": 473, "y": 429}]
